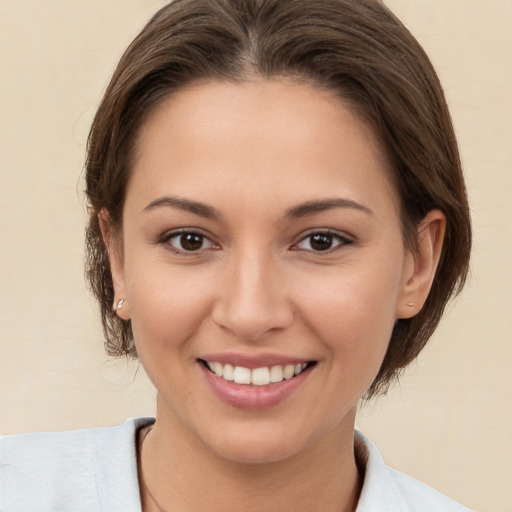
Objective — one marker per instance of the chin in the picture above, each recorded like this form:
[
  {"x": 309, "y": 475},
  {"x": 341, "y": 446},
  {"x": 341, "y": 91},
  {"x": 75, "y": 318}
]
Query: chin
[
  {"x": 266, "y": 445},
  {"x": 260, "y": 453}
]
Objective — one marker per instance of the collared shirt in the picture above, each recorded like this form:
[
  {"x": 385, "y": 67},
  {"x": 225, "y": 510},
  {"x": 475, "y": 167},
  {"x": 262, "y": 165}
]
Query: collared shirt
[{"x": 95, "y": 470}]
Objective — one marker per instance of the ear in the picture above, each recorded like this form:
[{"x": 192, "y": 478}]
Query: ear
[
  {"x": 116, "y": 265},
  {"x": 421, "y": 265}
]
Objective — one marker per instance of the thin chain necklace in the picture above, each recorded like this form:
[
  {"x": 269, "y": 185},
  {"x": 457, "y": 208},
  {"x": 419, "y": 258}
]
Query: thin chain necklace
[
  {"x": 153, "y": 500},
  {"x": 144, "y": 488}
]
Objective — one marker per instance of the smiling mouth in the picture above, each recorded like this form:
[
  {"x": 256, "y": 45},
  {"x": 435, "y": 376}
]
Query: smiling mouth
[{"x": 258, "y": 376}]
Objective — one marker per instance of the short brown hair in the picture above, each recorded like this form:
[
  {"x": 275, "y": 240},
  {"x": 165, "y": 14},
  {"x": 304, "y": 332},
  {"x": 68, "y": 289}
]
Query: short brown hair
[{"x": 359, "y": 50}]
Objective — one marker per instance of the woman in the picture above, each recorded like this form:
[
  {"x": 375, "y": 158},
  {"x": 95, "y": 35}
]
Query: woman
[{"x": 278, "y": 218}]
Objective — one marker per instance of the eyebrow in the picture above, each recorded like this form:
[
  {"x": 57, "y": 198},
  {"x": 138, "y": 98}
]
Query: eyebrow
[
  {"x": 301, "y": 210},
  {"x": 313, "y": 207},
  {"x": 187, "y": 205}
]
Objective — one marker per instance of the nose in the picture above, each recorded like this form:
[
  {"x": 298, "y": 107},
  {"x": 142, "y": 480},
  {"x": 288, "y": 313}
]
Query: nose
[{"x": 253, "y": 301}]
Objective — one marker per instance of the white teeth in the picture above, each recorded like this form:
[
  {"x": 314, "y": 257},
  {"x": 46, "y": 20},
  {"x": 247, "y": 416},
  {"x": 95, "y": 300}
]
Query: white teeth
[
  {"x": 258, "y": 376},
  {"x": 242, "y": 375},
  {"x": 289, "y": 371},
  {"x": 228, "y": 373},
  {"x": 276, "y": 374},
  {"x": 218, "y": 369}
]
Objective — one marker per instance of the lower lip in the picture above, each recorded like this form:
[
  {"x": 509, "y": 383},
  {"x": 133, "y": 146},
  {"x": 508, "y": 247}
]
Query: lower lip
[{"x": 250, "y": 397}]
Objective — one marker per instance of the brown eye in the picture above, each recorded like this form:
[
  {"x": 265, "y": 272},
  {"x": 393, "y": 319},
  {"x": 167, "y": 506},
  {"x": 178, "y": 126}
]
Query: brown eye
[
  {"x": 321, "y": 242},
  {"x": 189, "y": 242}
]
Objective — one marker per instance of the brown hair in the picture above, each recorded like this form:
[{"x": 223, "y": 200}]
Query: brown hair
[{"x": 359, "y": 50}]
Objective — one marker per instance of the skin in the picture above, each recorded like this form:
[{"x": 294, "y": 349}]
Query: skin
[{"x": 254, "y": 154}]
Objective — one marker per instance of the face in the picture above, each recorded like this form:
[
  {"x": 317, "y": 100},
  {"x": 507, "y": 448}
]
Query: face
[{"x": 263, "y": 265}]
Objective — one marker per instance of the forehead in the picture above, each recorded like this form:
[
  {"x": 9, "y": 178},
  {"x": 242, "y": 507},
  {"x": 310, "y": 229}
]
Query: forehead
[{"x": 262, "y": 137}]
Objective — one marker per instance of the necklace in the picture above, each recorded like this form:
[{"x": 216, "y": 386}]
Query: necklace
[
  {"x": 144, "y": 489},
  {"x": 153, "y": 500}
]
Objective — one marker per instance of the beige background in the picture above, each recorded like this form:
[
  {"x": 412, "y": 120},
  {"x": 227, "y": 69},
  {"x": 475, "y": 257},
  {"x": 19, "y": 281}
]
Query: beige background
[{"x": 449, "y": 423}]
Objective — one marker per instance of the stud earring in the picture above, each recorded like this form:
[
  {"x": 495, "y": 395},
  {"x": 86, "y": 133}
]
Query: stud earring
[{"x": 120, "y": 303}]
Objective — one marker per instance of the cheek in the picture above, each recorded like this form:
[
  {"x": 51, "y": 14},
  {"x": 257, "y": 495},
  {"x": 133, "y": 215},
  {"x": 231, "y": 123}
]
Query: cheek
[
  {"x": 353, "y": 310},
  {"x": 356, "y": 303},
  {"x": 168, "y": 305},
  {"x": 168, "y": 309}
]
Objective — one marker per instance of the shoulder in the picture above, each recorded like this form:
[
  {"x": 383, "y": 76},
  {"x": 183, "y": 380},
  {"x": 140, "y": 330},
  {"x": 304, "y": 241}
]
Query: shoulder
[
  {"x": 54, "y": 471},
  {"x": 385, "y": 489}
]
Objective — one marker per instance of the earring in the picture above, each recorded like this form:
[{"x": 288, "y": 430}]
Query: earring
[
  {"x": 119, "y": 304},
  {"x": 411, "y": 304}
]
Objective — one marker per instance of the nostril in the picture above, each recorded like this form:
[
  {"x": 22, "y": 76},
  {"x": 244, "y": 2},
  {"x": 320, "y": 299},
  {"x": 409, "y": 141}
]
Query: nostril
[{"x": 251, "y": 325}]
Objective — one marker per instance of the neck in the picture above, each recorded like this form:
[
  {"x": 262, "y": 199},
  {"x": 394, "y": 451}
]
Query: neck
[{"x": 179, "y": 473}]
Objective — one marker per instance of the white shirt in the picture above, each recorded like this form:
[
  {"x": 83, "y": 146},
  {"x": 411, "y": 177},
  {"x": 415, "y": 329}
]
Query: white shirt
[{"x": 95, "y": 470}]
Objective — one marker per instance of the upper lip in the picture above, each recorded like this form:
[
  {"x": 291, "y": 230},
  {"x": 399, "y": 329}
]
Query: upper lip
[{"x": 253, "y": 361}]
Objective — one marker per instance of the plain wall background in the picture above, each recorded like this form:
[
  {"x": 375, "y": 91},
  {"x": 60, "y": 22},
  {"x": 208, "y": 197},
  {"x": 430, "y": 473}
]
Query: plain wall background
[{"x": 448, "y": 423}]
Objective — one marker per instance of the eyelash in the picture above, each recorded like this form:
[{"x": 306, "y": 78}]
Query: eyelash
[
  {"x": 342, "y": 240},
  {"x": 167, "y": 238}
]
